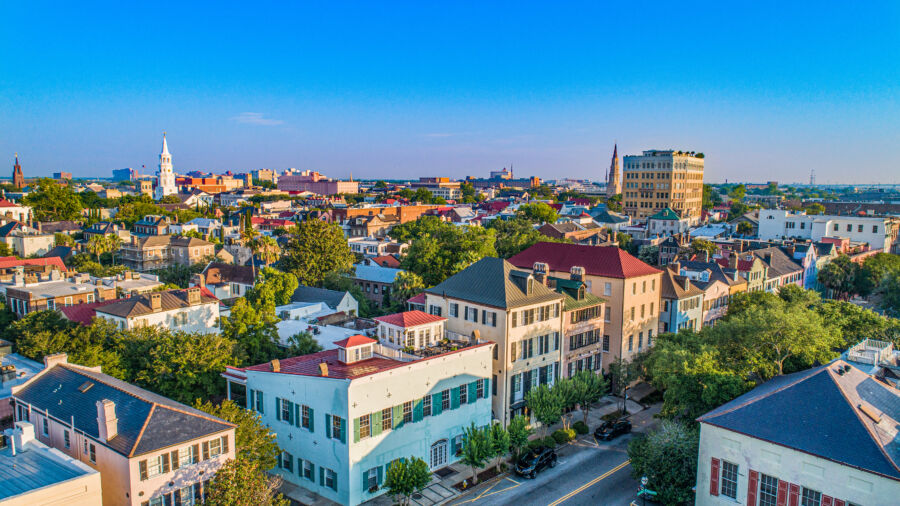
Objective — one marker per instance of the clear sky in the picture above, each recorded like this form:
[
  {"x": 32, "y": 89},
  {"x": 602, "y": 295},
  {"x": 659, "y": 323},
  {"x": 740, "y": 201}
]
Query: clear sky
[{"x": 767, "y": 90}]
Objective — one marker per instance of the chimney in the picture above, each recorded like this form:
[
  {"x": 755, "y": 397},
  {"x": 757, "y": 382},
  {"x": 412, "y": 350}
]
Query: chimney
[
  {"x": 323, "y": 369},
  {"x": 199, "y": 280},
  {"x": 52, "y": 360},
  {"x": 687, "y": 283},
  {"x": 577, "y": 273},
  {"x": 107, "y": 422},
  {"x": 276, "y": 365},
  {"x": 193, "y": 296},
  {"x": 156, "y": 302},
  {"x": 540, "y": 272},
  {"x": 733, "y": 260}
]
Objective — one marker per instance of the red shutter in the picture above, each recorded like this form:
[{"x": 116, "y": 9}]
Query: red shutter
[
  {"x": 827, "y": 500},
  {"x": 838, "y": 502},
  {"x": 782, "y": 493},
  {"x": 752, "y": 488},
  {"x": 794, "y": 496},
  {"x": 714, "y": 478}
]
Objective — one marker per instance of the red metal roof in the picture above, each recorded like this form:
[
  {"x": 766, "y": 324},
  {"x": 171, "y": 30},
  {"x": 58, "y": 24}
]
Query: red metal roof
[
  {"x": 6, "y": 262},
  {"x": 387, "y": 261},
  {"x": 608, "y": 261},
  {"x": 409, "y": 318},
  {"x": 357, "y": 340},
  {"x": 417, "y": 299},
  {"x": 84, "y": 313},
  {"x": 6, "y": 203}
]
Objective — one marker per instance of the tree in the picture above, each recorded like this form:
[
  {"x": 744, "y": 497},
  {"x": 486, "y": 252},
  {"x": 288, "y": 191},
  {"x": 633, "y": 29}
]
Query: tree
[
  {"x": 621, "y": 374},
  {"x": 60, "y": 239},
  {"x": 476, "y": 448},
  {"x": 841, "y": 276},
  {"x": 738, "y": 192},
  {"x": 273, "y": 287},
  {"x": 875, "y": 269},
  {"x": 649, "y": 254},
  {"x": 589, "y": 388},
  {"x": 184, "y": 366},
  {"x": 97, "y": 246},
  {"x": 625, "y": 242},
  {"x": 406, "y": 285},
  {"x": 701, "y": 246},
  {"x": 253, "y": 332},
  {"x": 241, "y": 481},
  {"x": 545, "y": 405},
  {"x": 406, "y": 476},
  {"x": 614, "y": 203},
  {"x": 745, "y": 228},
  {"x": 737, "y": 209},
  {"x": 438, "y": 249},
  {"x": 423, "y": 196},
  {"x": 253, "y": 440},
  {"x": 538, "y": 212},
  {"x": 667, "y": 456},
  {"x": 113, "y": 244},
  {"x": 302, "y": 343},
  {"x": 564, "y": 390},
  {"x": 500, "y": 442},
  {"x": 518, "y": 431},
  {"x": 889, "y": 291},
  {"x": 267, "y": 249},
  {"x": 814, "y": 208},
  {"x": 711, "y": 197},
  {"x": 516, "y": 235},
  {"x": 315, "y": 248},
  {"x": 380, "y": 184},
  {"x": 248, "y": 236},
  {"x": 51, "y": 201}
]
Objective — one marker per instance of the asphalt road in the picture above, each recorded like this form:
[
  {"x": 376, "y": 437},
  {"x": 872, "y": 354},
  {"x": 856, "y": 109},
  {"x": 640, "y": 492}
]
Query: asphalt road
[{"x": 595, "y": 475}]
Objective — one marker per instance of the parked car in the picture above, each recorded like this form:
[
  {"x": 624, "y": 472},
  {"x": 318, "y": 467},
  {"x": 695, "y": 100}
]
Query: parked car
[
  {"x": 612, "y": 429},
  {"x": 535, "y": 460}
]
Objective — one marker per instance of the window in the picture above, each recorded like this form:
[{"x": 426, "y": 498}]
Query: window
[
  {"x": 728, "y": 483},
  {"x": 445, "y": 400},
  {"x": 632, "y": 313},
  {"x": 479, "y": 389},
  {"x": 643, "y": 307},
  {"x": 514, "y": 319},
  {"x": 372, "y": 478},
  {"x": 157, "y": 501},
  {"x": 259, "y": 402},
  {"x": 305, "y": 417},
  {"x": 874, "y": 229},
  {"x": 186, "y": 456},
  {"x": 287, "y": 461},
  {"x": 768, "y": 490},
  {"x": 286, "y": 411},
  {"x": 811, "y": 497},
  {"x": 640, "y": 340},
  {"x": 45, "y": 426},
  {"x": 630, "y": 342},
  {"x": 331, "y": 479},
  {"x": 454, "y": 310},
  {"x": 407, "y": 411},
  {"x": 66, "y": 440},
  {"x": 187, "y": 495},
  {"x": 309, "y": 470},
  {"x": 215, "y": 447},
  {"x": 859, "y": 228},
  {"x": 608, "y": 316},
  {"x": 364, "y": 426},
  {"x": 607, "y": 288},
  {"x": 835, "y": 227},
  {"x": 93, "y": 453},
  {"x": 155, "y": 466},
  {"x": 605, "y": 343},
  {"x": 336, "y": 424},
  {"x": 426, "y": 405},
  {"x": 644, "y": 286},
  {"x": 650, "y": 337},
  {"x": 634, "y": 288},
  {"x": 849, "y": 228}
]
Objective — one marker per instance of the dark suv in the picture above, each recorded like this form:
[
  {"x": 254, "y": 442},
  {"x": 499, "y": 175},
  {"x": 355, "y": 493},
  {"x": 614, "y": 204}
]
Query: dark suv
[
  {"x": 610, "y": 430},
  {"x": 535, "y": 460}
]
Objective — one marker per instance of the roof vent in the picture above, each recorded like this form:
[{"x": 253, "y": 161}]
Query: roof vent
[{"x": 85, "y": 386}]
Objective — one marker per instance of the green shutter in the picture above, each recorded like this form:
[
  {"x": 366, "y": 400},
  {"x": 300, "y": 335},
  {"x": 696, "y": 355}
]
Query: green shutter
[
  {"x": 454, "y": 398},
  {"x": 356, "y": 430},
  {"x": 291, "y": 418},
  {"x": 380, "y": 475},
  {"x": 343, "y": 431},
  {"x": 487, "y": 387},
  {"x": 376, "y": 423},
  {"x": 250, "y": 399},
  {"x": 436, "y": 405},
  {"x": 473, "y": 392},
  {"x": 328, "y": 426},
  {"x": 297, "y": 415},
  {"x": 321, "y": 476},
  {"x": 397, "y": 416},
  {"x": 365, "y": 476},
  {"x": 278, "y": 408},
  {"x": 262, "y": 402},
  {"x": 418, "y": 410},
  {"x": 312, "y": 420}
]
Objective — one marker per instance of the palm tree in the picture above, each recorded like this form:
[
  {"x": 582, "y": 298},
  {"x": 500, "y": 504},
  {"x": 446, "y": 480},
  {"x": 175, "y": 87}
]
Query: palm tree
[
  {"x": 248, "y": 239},
  {"x": 97, "y": 245},
  {"x": 113, "y": 244},
  {"x": 267, "y": 248}
]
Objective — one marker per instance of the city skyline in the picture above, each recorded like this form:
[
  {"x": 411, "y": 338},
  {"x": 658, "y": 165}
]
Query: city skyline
[{"x": 454, "y": 90}]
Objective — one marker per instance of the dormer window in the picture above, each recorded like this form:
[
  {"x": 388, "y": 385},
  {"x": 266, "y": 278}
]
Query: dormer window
[{"x": 530, "y": 286}]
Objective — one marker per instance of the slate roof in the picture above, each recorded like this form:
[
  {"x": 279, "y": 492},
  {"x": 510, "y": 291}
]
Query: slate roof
[
  {"x": 780, "y": 264},
  {"x": 217, "y": 273},
  {"x": 672, "y": 286},
  {"x": 147, "y": 422},
  {"x": 716, "y": 273},
  {"x": 817, "y": 411},
  {"x": 409, "y": 318},
  {"x": 494, "y": 282},
  {"x": 52, "y": 227},
  {"x": 139, "y": 305},
  {"x": 603, "y": 215},
  {"x": 607, "y": 261},
  {"x": 331, "y": 298}
]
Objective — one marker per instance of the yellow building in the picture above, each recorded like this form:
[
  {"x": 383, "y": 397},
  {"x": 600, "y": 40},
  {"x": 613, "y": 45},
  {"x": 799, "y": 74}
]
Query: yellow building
[{"x": 657, "y": 179}]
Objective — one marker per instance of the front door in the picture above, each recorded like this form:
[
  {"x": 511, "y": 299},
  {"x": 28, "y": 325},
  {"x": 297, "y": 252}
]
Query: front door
[{"x": 439, "y": 454}]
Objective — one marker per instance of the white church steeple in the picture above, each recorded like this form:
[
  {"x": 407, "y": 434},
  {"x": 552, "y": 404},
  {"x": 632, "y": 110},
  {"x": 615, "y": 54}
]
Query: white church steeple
[{"x": 165, "y": 177}]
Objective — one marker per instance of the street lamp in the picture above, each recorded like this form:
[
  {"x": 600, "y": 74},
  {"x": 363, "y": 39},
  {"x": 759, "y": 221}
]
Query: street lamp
[{"x": 644, "y": 491}]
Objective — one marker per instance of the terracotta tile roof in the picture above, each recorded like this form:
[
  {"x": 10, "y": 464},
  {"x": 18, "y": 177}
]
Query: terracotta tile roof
[
  {"x": 357, "y": 340},
  {"x": 607, "y": 261},
  {"x": 7, "y": 262},
  {"x": 387, "y": 261},
  {"x": 409, "y": 318},
  {"x": 6, "y": 203}
]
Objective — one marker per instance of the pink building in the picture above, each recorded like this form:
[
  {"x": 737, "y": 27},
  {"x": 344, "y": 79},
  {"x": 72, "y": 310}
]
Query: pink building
[
  {"x": 312, "y": 181},
  {"x": 150, "y": 450}
]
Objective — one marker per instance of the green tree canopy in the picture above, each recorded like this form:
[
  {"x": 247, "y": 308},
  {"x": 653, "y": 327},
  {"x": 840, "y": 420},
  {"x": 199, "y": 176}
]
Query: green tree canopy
[
  {"x": 519, "y": 431},
  {"x": 302, "y": 343},
  {"x": 476, "y": 449},
  {"x": 405, "y": 477},
  {"x": 516, "y": 235},
  {"x": 439, "y": 249},
  {"x": 51, "y": 201},
  {"x": 589, "y": 388},
  {"x": 315, "y": 248},
  {"x": 242, "y": 481},
  {"x": 545, "y": 405},
  {"x": 274, "y": 287},
  {"x": 253, "y": 440},
  {"x": 538, "y": 213},
  {"x": 252, "y": 330},
  {"x": 667, "y": 456}
]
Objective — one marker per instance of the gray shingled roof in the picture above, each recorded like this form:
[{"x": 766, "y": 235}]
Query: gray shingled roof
[
  {"x": 494, "y": 282},
  {"x": 817, "y": 412},
  {"x": 780, "y": 263},
  {"x": 146, "y": 421},
  {"x": 140, "y": 304},
  {"x": 331, "y": 298}
]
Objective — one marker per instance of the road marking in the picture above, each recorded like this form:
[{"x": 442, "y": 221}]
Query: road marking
[
  {"x": 589, "y": 484},
  {"x": 485, "y": 494}
]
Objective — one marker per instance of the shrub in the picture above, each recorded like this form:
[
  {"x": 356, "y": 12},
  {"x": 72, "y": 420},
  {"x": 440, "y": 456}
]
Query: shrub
[
  {"x": 560, "y": 437},
  {"x": 581, "y": 427},
  {"x": 549, "y": 442},
  {"x": 535, "y": 443},
  {"x": 570, "y": 434}
]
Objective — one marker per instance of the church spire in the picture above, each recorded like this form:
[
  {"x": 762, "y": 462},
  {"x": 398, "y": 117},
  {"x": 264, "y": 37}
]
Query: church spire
[
  {"x": 165, "y": 147},
  {"x": 613, "y": 184}
]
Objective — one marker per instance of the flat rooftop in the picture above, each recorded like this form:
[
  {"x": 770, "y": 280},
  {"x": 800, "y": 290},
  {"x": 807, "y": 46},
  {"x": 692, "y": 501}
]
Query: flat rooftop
[{"x": 35, "y": 468}]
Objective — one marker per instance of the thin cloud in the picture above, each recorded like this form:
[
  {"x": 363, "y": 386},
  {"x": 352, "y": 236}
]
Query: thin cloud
[{"x": 256, "y": 118}]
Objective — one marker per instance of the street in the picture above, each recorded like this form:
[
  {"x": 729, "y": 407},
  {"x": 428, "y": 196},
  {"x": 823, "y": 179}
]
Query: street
[{"x": 592, "y": 474}]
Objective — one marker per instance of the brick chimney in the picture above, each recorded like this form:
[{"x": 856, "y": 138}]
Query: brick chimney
[
  {"x": 193, "y": 295},
  {"x": 577, "y": 273},
  {"x": 276, "y": 365},
  {"x": 323, "y": 369},
  {"x": 156, "y": 302},
  {"x": 540, "y": 272},
  {"x": 107, "y": 423},
  {"x": 52, "y": 360},
  {"x": 733, "y": 260}
]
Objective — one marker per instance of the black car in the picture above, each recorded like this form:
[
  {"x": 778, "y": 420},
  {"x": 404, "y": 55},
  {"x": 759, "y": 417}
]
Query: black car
[
  {"x": 610, "y": 430},
  {"x": 535, "y": 460}
]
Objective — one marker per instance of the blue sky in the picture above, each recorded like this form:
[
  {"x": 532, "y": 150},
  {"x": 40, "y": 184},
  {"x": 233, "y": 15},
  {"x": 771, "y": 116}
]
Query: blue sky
[{"x": 767, "y": 90}]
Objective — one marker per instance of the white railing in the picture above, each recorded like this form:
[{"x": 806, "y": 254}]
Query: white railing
[
  {"x": 388, "y": 352},
  {"x": 871, "y": 351}
]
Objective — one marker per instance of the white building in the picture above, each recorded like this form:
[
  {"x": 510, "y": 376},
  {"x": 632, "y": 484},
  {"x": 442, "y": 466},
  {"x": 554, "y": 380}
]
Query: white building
[
  {"x": 876, "y": 231},
  {"x": 15, "y": 211},
  {"x": 186, "y": 310},
  {"x": 824, "y": 436},
  {"x": 165, "y": 177},
  {"x": 342, "y": 416}
]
